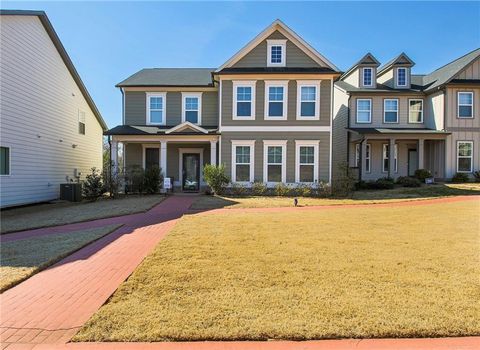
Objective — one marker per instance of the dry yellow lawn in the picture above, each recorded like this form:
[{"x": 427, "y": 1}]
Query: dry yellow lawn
[{"x": 405, "y": 271}]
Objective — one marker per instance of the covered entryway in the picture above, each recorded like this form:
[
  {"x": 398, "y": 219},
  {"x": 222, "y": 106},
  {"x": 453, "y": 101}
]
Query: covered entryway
[{"x": 190, "y": 171}]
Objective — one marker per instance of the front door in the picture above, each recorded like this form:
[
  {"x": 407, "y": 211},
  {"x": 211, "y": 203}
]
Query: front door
[
  {"x": 191, "y": 172},
  {"x": 412, "y": 161}
]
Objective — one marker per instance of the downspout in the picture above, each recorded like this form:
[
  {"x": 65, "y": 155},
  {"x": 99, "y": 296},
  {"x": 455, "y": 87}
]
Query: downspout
[{"x": 110, "y": 162}]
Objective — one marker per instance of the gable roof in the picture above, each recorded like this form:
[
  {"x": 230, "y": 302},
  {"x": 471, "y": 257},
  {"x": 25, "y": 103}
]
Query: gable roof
[
  {"x": 368, "y": 59},
  {"x": 290, "y": 34},
  {"x": 445, "y": 74},
  {"x": 195, "y": 77},
  {"x": 42, "y": 16},
  {"x": 185, "y": 126},
  {"x": 402, "y": 59}
]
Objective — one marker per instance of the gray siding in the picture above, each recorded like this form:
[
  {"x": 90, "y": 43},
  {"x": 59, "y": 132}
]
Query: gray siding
[
  {"x": 133, "y": 155},
  {"x": 324, "y": 151},
  {"x": 135, "y": 108},
  {"x": 227, "y": 100},
  {"x": 339, "y": 131}
]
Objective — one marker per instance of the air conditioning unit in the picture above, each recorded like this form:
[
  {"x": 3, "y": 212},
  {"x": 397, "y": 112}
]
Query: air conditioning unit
[{"x": 71, "y": 192}]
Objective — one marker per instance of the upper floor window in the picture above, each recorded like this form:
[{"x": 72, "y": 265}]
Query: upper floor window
[
  {"x": 464, "y": 156},
  {"x": 276, "y": 53},
  {"x": 308, "y": 100},
  {"x": 192, "y": 108},
  {"x": 4, "y": 160},
  {"x": 156, "y": 108},
  {"x": 415, "y": 111},
  {"x": 367, "y": 76},
  {"x": 244, "y": 100},
  {"x": 276, "y": 100},
  {"x": 390, "y": 111},
  {"x": 364, "y": 111},
  {"x": 401, "y": 76},
  {"x": 81, "y": 122},
  {"x": 465, "y": 104}
]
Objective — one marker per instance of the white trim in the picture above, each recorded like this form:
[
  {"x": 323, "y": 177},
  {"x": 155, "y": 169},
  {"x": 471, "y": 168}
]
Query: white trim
[
  {"x": 370, "y": 111},
  {"x": 220, "y": 113},
  {"x": 276, "y": 83},
  {"x": 168, "y": 138},
  {"x": 9, "y": 161},
  {"x": 181, "y": 152},
  {"x": 368, "y": 168},
  {"x": 163, "y": 95},
  {"x": 243, "y": 83},
  {"x": 395, "y": 158},
  {"x": 282, "y": 128},
  {"x": 357, "y": 160},
  {"x": 458, "y": 104},
  {"x": 307, "y": 143},
  {"x": 371, "y": 76},
  {"x": 251, "y": 144},
  {"x": 397, "y": 70},
  {"x": 186, "y": 125},
  {"x": 308, "y": 83},
  {"x": 385, "y": 110},
  {"x": 275, "y": 143},
  {"x": 330, "y": 160},
  {"x": 471, "y": 157},
  {"x": 409, "y": 107},
  {"x": 192, "y": 94},
  {"x": 276, "y": 42}
]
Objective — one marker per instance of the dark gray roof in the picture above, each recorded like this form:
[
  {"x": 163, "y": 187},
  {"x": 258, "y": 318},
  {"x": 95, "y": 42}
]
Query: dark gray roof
[
  {"x": 152, "y": 130},
  {"x": 368, "y": 59},
  {"x": 446, "y": 73},
  {"x": 397, "y": 131},
  {"x": 416, "y": 86},
  {"x": 42, "y": 16},
  {"x": 170, "y": 77},
  {"x": 400, "y": 59}
]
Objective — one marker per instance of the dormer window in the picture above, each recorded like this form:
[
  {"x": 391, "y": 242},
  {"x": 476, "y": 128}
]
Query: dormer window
[
  {"x": 402, "y": 77},
  {"x": 367, "y": 76},
  {"x": 276, "y": 53}
]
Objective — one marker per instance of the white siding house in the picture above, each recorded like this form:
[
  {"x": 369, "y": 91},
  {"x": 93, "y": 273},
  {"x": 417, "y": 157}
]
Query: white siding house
[{"x": 42, "y": 102}]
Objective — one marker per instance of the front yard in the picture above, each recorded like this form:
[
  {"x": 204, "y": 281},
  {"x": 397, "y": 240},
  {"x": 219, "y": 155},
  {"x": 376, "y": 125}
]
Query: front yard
[{"x": 400, "y": 271}]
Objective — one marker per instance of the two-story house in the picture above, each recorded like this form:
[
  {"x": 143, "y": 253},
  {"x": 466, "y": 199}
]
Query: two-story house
[
  {"x": 417, "y": 121},
  {"x": 265, "y": 114}
]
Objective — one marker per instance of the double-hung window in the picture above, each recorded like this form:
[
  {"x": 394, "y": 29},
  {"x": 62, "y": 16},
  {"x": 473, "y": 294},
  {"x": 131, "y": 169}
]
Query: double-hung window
[
  {"x": 156, "y": 108},
  {"x": 276, "y": 56},
  {"x": 4, "y": 160},
  {"x": 402, "y": 76},
  {"x": 306, "y": 154},
  {"x": 465, "y": 156},
  {"x": 465, "y": 104},
  {"x": 244, "y": 100},
  {"x": 366, "y": 155},
  {"x": 192, "y": 108},
  {"x": 308, "y": 106},
  {"x": 386, "y": 157},
  {"x": 364, "y": 110},
  {"x": 276, "y": 100},
  {"x": 367, "y": 76},
  {"x": 390, "y": 111},
  {"x": 274, "y": 160},
  {"x": 415, "y": 111},
  {"x": 242, "y": 161}
]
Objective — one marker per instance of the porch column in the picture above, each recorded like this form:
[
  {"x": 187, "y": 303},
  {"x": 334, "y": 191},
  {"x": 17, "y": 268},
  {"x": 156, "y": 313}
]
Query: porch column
[
  {"x": 163, "y": 157},
  {"x": 391, "y": 158},
  {"x": 114, "y": 156},
  {"x": 213, "y": 152},
  {"x": 363, "y": 159},
  {"x": 421, "y": 154}
]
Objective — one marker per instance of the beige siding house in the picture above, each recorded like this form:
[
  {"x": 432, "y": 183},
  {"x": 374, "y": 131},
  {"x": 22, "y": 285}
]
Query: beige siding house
[
  {"x": 51, "y": 131},
  {"x": 265, "y": 114}
]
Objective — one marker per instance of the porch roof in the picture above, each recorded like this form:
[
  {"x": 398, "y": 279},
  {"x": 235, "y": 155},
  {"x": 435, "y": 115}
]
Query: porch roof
[
  {"x": 156, "y": 130},
  {"x": 398, "y": 131}
]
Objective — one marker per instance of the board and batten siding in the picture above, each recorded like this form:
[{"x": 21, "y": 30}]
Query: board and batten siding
[
  {"x": 136, "y": 108},
  {"x": 472, "y": 71},
  {"x": 40, "y": 104}
]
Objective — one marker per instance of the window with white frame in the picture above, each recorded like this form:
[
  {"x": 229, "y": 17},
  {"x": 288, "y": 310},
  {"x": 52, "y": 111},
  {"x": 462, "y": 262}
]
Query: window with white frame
[
  {"x": 242, "y": 161},
  {"x": 4, "y": 160},
  {"x": 367, "y": 156},
  {"x": 156, "y": 108},
  {"x": 367, "y": 76},
  {"x": 308, "y": 100},
  {"x": 386, "y": 157},
  {"x": 364, "y": 110},
  {"x": 244, "y": 100},
  {"x": 306, "y": 160},
  {"x": 415, "y": 111},
  {"x": 464, "y": 156},
  {"x": 81, "y": 122},
  {"x": 390, "y": 111},
  {"x": 274, "y": 161},
  {"x": 465, "y": 104},
  {"x": 401, "y": 76},
  {"x": 276, "y": 100},
  {"x": 276, "y": 56},
  {"x": 192, "y": 108}
]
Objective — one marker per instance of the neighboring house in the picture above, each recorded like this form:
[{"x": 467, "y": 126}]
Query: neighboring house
[
  {"x": 418, "y": 121},
  {"x": 51, "y": 131},
  {"x": 266, "y": 114}
]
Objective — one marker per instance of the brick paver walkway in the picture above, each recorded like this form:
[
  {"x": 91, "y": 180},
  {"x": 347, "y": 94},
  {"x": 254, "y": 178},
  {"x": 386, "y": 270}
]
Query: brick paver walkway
[{"x": 51, "y": 306}]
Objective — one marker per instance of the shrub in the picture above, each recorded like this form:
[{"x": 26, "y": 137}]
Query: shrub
[
  {"x": 281, "y": 189},
  {"x": 215, "y": 177},
  {"x": 384, "y": 183},
  {"x": 303, "y": 190},
  {"x": 322, "y": 190},
  {"x": 238, "y": 189},
  {"x": 153, "y": 177},
  {"x": 422, "y": 174},
  {"x": 407, "y": 181},
  {"x": 259, "y": 189},
  {"x": 345, "y": 181},
  {"x": 477, "y": 175},
  {"x": 93, "y": 187},
  {"x": 112, "y": 180},
  {"x": 460, "y": 177},
  {"x": 134, "y": 178}
]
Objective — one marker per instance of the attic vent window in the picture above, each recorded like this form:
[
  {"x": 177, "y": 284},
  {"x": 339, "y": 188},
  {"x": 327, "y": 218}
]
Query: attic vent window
[{"x": 276, "y": 53}]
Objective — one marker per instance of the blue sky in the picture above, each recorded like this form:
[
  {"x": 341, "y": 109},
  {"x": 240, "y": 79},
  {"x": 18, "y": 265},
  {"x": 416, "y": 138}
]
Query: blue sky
[{"x": 109, "y": 41}]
